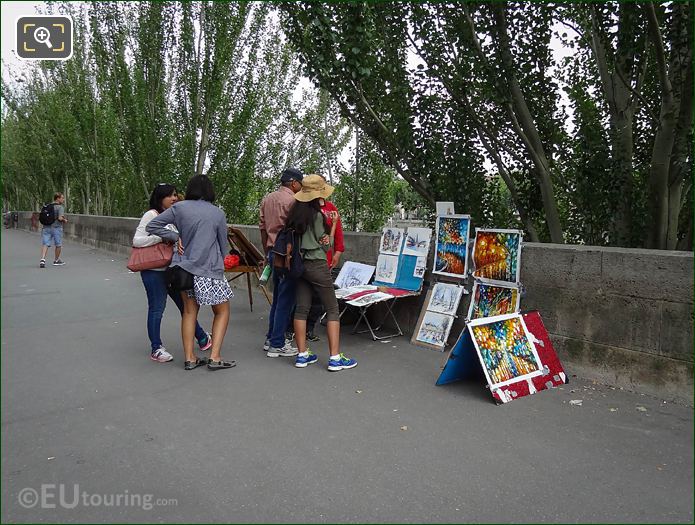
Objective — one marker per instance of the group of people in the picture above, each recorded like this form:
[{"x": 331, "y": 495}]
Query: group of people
[
  {"x": 197, "y": 230},
  {"x": 301, "y": 204}
]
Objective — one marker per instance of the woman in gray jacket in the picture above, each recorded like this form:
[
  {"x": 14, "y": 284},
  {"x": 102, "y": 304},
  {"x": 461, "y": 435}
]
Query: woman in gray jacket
[{"x": 202, "y": 232}]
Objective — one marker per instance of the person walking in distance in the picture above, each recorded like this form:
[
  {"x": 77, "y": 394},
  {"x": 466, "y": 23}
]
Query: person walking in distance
[
  {"x": 162, "y": 198},
  {"x": 52, "y": 217},
  {"x": 202, "y": 231},
  {"x": 275, "y": 207},
  {"x": 316, "y": 239}
]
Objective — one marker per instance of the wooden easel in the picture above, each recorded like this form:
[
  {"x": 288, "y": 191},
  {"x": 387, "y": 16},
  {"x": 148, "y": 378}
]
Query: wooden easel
[{"x": 251, "y": 261}]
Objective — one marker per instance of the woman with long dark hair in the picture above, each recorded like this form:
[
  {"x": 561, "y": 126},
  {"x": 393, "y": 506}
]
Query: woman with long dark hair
[
  {"x": 317, "y": 238},
  {"x": 202, "y": 230},
  {"x": 162, "y": 198}
]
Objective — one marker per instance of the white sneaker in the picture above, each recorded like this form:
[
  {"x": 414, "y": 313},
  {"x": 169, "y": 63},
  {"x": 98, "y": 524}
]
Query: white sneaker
[
  {"x": 288, "y": 342},
  {"x": 161, "y": 355},
  {"x": 285, "y": 351}
]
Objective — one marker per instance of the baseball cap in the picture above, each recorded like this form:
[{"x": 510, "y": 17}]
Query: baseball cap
[{"x": 291, "y": 174}]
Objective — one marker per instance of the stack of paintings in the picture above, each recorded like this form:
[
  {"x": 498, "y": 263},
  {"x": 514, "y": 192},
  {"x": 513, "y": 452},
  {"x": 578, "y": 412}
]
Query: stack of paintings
[
  {"x": 438, "y": 317},
  {"x": 496, "y": 263}
]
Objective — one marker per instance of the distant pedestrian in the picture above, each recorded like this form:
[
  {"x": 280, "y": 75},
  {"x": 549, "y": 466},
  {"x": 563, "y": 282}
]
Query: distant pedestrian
[
  {"x": 317, "y": 238},
  {"x": 202, "y": 232},
  {"x": 275, "y": 207},
  {"x": 162, "y": 198},
  {"x": 52, "y": 217}
]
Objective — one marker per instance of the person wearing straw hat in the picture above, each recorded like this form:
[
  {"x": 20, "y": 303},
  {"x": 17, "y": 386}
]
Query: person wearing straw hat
[{"x": 316, "y": 239}]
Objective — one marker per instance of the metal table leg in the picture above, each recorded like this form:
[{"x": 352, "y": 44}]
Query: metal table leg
[{"x": 372, "y": 330}]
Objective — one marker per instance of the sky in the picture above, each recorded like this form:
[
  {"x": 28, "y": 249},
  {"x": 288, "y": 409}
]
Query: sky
[{"x": 10, "y": 12}]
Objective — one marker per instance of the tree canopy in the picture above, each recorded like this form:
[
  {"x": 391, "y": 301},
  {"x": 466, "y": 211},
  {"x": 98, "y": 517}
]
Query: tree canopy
[
  {"x": 443, "y": 87},
  {"x": 573, "y": 121}
]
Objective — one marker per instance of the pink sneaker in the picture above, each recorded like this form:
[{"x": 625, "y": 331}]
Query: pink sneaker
[{"x": 207, "y": 344}]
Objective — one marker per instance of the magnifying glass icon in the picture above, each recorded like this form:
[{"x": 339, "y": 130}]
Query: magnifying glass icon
[{"x": 42, "y": 35}]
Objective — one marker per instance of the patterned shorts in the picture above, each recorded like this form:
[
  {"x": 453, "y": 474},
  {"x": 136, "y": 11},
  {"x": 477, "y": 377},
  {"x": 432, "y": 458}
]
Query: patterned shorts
[{"x": 207, "y": 291}]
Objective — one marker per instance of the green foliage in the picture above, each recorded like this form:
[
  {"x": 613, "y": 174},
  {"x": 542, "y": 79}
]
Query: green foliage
[
  {"x": 440, "y": 87},
  {"x": 365, "y": 197},
  {"x": 158, "y": 92}
]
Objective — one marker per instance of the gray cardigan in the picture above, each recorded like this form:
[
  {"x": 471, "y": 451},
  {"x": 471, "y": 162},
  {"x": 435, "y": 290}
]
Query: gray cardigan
[{"x": 203, "y": 232}]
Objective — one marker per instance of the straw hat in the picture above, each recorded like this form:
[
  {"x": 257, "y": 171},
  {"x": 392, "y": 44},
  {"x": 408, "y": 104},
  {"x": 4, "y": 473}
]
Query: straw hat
[{"x": 313, "y": 187}]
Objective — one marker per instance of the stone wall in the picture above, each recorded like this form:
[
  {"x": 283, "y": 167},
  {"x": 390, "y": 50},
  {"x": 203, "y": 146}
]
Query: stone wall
[{"x": 620, "y": 316}]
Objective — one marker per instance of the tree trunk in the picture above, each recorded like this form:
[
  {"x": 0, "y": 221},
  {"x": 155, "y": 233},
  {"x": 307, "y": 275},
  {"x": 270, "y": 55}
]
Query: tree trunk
[
  {"x": 526, "y": 129},
  {"x": 663, "y": 142},
  {"x": 616, "y": 87}
]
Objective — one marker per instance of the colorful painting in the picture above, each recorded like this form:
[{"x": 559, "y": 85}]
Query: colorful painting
[
  {"x": 496, "y": 255},
  {"x": 490, "y": 300},
  {"x": 386, "y": 268},
  {"x": 434, "y": 329},
  {"x": 445, "y": 298},
  {"x": 417, "y": 242},
  {"x": 392, "y": 241},
  {"x": 505, "y": 349},
  {"x": 451, "y": 253}
]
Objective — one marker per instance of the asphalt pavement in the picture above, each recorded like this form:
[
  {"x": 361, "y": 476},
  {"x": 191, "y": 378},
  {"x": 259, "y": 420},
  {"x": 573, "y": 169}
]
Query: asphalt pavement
[{"x": 93, "y": 431}]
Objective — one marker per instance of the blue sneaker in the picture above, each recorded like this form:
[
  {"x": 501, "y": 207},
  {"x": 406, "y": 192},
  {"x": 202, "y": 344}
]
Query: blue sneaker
[
  {"x": 303, "y": 362},
  {"x": 344, "y": 363}
]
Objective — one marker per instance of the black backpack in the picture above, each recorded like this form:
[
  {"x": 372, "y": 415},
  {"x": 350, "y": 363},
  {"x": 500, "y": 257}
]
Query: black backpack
[
  {"x": 47, "y": 216},
  {"x": 287, "y": 255}
]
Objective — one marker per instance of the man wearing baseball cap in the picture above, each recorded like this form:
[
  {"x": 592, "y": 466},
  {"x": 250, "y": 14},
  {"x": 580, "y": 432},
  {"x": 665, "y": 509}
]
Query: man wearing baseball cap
[{"x": 274, "y": 210}]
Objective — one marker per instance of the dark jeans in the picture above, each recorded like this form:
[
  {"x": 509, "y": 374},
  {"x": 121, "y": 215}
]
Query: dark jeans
[
  {"x": 156, "y": 288},
  {"x": 281, "y": 310}
]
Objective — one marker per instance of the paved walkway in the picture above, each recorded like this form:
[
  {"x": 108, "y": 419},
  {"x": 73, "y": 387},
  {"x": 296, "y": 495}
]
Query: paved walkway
[{"x": 265, "y": 442}]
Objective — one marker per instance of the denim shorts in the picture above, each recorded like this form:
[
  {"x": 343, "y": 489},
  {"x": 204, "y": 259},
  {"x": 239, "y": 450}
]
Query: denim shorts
[{"x": 52, "y": 233}]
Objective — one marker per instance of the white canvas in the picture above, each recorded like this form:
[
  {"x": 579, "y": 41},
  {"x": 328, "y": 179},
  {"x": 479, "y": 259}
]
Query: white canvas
[
  {"x": 445, "y": 208},
  {"x": 445, "y": 298},
  {"x": 434, "y": 329},
  {"x": 420, "y": 266},
  {"x": 417, "y": 241},
  {"x": 371, "y": 298},
  {"x": 342, "y": 293},
  {"x": 386, "y": 268},
  {"x": 354, "y": 274},
  {"x": 391, "y": 241}
]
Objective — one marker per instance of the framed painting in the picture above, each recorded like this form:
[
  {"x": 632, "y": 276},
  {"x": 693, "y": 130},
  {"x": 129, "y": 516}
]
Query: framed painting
[
  {"x": 451, "y": 250},
  {"x": 497, "y": 255},
  {"x": 505, "y": 349},
  {"x": 445, "y": 298},
  {"x": 434, "y": 329},
  {"x": 490, "y": 300}
]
